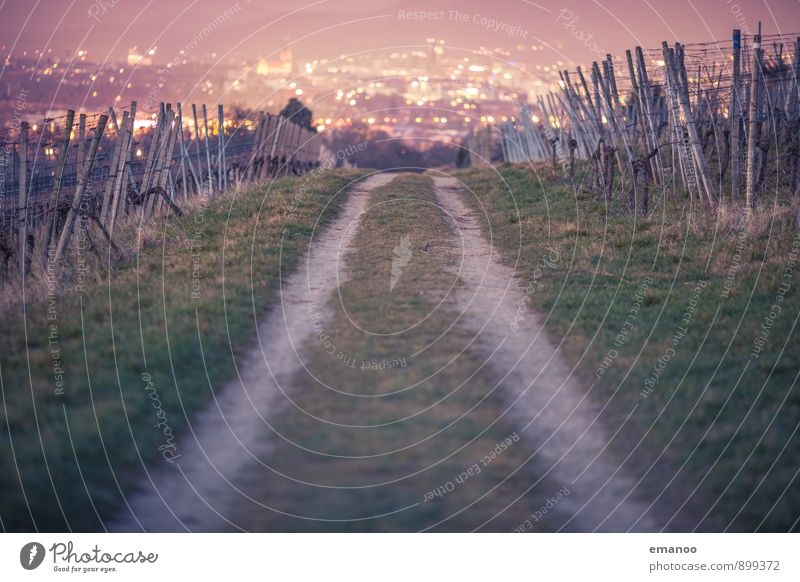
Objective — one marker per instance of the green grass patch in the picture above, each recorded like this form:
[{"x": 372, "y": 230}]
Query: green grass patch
[
  {"x": 723, "y": 413},
  {"x": 81, "y": 372}
]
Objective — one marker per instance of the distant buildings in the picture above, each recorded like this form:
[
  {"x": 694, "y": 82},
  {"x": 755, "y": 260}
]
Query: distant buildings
[
  {"x": 280, "y": 66},
  {"x": 405, "y": 92},
  {"x": 141, "y": 59}
]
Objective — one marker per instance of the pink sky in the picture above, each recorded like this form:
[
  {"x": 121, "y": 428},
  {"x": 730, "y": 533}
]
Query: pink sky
[{"x": 328, "y": 28}]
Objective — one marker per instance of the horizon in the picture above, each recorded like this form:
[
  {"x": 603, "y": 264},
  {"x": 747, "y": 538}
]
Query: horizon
[{"x": 399, "y": 67}]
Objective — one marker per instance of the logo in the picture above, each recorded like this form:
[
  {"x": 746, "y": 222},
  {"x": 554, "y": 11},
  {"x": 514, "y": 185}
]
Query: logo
[
  {"x": 31, "y": 555},
  {"x": 402, "y": 255}
]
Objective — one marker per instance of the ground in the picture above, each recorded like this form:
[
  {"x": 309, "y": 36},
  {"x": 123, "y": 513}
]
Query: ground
[{"x": 496, "y": 350}]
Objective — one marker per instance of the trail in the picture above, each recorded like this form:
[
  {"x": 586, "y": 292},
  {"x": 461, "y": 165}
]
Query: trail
[
  {"x": 226, "y": 476},
  {"x": 200, "y": 488},
  {"x": 545, "y": 400}
]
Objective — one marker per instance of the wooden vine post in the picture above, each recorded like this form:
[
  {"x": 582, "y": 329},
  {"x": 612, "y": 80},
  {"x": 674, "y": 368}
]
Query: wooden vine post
[
  {"x": 259, "y": 128},
  {"x": 83, "y": 179},
  {"x": 274, "y": 147},
  {"x": 680, "y": 152},
  {"x": 186, "y": 159},
  {"x": 149, "y": 204},
  {"x": 734, "y": 116},
  {"x": 108, "y": 193},
  {"x": 183, "y": 153},
  {"x": 208, "y": 152},
  {"x": 62, "y": 162},
  {"x": 698, "y": 165},
  {"x": 81, "y": 140},
  {"x": 119, "y": 184},
  {"x": 22, "y": 201},
  {"x": 198, "y": 154},
  {"x": 151, "y": 154},
  {"x": 222, "y": 181},
  {"x": 752, "y": 122},
  {"x": 170, "y": 148}
]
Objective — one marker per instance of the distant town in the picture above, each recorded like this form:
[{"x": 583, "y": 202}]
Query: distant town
[{"x": 418, "y": 91}]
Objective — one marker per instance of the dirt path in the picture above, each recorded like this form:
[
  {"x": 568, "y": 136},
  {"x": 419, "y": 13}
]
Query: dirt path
[
  {"x": 544, "y": 399},
  {"x": 304, "y": 441},
  {"x": 200, "y": 489},
  {"x": 393, "y": 423}
]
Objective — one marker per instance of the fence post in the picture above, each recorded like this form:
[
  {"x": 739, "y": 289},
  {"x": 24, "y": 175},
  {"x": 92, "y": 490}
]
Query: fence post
[
  {"x": 81, "y": 140},
  {"x": 597, "y": 119},
  {"x": 119, "y": 185},
  {"x": 198, "y": 186},
  {"x": 170, "y": 149},
  {"x": 83, "y": 179},
  {"x": 794, "y": 88},
  {"x": 151, "y": 154},
  {"x": 198, "y": 153},
  {"x": 636, "y": 95},
  {"x": 183, "y": 152},
  {"x": 62, "y": 162},
  {"x": 258, "y": 138},
  {"x": 208, "y": 152},
  {"x": 649, "y": 109},
  {"x": 274, "y": 148},
  {"x": 22, "y": 200},
  {"x": 222, "y": 168},
  {"x": 694, "y": 158},
  {"x": 112, "y": 174},
  {"x": 149, "y": 205},
  {"x": 734, "y": 116},
  {"x": 752, "y": 122}
]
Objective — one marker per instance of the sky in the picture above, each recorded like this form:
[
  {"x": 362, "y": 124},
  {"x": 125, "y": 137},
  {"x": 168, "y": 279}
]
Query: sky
[{"x": 575, "y": 30}]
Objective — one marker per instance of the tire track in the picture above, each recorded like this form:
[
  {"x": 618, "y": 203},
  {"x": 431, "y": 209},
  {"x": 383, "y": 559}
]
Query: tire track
[{"x": 545, "y": 400}]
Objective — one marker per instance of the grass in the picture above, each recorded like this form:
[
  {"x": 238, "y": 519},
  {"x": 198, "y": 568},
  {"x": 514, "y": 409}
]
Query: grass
[
  {"x": 715, "y": 426},
  {"x": 140, "y": 347},
  {"x": 713, "y": 433},
  {"x": 362, "y": 447}
]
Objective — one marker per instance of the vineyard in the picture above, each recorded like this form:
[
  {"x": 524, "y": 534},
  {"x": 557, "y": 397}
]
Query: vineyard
[
  {"x": 564, "y": 311},
  {"x": 100, "y": 169},
  {"x": 720, "y": 121}
]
